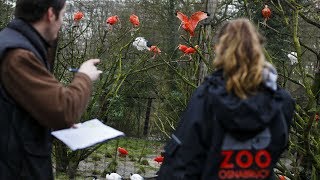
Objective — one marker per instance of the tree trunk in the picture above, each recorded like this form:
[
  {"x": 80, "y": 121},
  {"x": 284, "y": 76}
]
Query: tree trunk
[
  {"x": 147, "y": 120},
  {"x": 210, "y": 6},
  {"x": 172, "y": 44}
]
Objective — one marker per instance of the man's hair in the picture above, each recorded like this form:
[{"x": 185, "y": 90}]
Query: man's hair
[
  {"x": 239, "y": 53},
  {"x": 33, "y": 10}
]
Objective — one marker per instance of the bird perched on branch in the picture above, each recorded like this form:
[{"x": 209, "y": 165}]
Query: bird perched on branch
[
  {"x": 155, "y": 50},
  {"x": 266, "y": 13},
  {"x": 112, "y": 20},
  {"x": 190, "y": 24},
  {"x": 134, "y": 19},
  {"x": 77, "y": 16},
  {"x": 187, "y": 50},
  {"x": 142, "y": 44}
]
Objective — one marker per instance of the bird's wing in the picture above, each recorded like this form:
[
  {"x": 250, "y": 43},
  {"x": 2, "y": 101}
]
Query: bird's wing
[
  {"x": 134, "y": 19},
  {"x": 196, "y": 18},
  {"x": 182, "y": 47},
  {"x": 183, "y": 18}
]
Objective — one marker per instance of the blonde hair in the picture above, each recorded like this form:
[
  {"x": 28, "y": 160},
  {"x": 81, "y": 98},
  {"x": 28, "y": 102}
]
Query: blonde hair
[{"x": 239, "y": 53}]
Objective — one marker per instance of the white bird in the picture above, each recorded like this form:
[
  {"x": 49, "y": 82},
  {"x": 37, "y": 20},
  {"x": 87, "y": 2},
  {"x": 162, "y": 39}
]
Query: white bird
[
  {"x": 113, "y": 176},
  {"x": 136, "y": 177},
  {"x": 293, "y": 58},
  {"x": 141, "y": 44}
]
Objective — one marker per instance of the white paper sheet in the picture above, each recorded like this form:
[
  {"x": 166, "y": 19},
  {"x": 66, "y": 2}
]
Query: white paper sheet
[{"x": 86, "y": 134}]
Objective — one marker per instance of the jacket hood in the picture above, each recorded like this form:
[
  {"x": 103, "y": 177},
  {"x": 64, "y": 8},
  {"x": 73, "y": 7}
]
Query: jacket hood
[{"x": 237, "y": 115}]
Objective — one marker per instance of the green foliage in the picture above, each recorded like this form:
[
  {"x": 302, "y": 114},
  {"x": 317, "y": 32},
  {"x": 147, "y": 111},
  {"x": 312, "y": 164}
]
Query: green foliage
[
  {"x": 112, "y": 167},
  {"x": 144, "y": 162},
  {"x": 6, "y": 10},
  {"x": 141, "y": 170}
]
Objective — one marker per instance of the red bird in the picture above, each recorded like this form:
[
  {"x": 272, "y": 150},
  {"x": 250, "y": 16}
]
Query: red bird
[
  {"x": 190, "y": 50},
  {"x": 182, "y": 47},
  {"x": 159, "y": 159},
  {"x": 187, "y": 50},
  {"x": 78, "y": 16},
  {"x": 112, "y": 20},
  {"x": 190, "y": 25},
  {"x": 282, "y": 177},
  {"x": 134, "y": 20},
  {"x": 155, "y": 51},
  {"x": 266, "y": 13},
  {"x": 122, "y": 151}
]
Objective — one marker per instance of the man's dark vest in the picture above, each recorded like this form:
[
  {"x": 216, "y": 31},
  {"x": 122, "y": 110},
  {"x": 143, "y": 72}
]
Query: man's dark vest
[{"x": 25, "y": 145}]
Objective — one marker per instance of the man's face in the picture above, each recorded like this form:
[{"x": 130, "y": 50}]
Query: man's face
[{"x": 55, "y": 25}]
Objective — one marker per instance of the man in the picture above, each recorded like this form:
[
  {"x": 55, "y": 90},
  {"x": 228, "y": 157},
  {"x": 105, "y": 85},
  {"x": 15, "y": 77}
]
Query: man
[{"x": 32, "y": 101}]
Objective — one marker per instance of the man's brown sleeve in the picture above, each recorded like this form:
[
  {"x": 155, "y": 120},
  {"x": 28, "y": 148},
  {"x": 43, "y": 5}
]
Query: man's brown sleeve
[{"x": 36, "y": 90}]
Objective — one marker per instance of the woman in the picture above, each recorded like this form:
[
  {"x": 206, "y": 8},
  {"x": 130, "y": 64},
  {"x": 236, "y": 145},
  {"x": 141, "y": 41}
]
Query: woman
[{"x": 236, "y": 123}]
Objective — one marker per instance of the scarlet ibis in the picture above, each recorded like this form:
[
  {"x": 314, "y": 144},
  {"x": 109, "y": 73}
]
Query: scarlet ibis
[
  {"x": 190, "y": 50},
  {"x": 187, "y": 50},
  {"x": 112, "y": 20},
  {"x": 113, "y": 176},
  {"x": 182, "y": 47},
  {"x": 190, "y": 24},
  {"x": 122, "y": 151},
  {"x": 77, "y": 17},
  {"x": 134, "y": 19},
  {"x": 266, "y": 13},
  {"x": 159, "y": 159},
  {"x": 155, "y": 51}
]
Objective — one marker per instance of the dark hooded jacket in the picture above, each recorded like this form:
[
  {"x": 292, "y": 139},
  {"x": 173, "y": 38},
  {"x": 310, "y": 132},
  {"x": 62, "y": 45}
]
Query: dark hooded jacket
[{"x": 256, "y": 129}]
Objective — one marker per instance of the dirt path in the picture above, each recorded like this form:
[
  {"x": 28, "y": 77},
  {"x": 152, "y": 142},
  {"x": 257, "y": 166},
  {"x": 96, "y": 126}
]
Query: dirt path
[{"x": 125, "y": 168}]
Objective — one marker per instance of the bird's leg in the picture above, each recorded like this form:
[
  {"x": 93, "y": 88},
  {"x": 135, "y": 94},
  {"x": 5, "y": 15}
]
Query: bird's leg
[
  {"x": 76, "y": 23},
  {"x": 182, "y": 56},
  {"x": 109, "y": 27},
  {"x": 265, "y": 22},
  {"x": 154, "y": 56},
  {"x": 133, "y": 30},
  {"x": 179, "y": 26}
]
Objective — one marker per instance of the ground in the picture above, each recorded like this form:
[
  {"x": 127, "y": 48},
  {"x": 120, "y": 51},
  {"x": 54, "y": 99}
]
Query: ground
[{"x": 140, "y": 160}]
